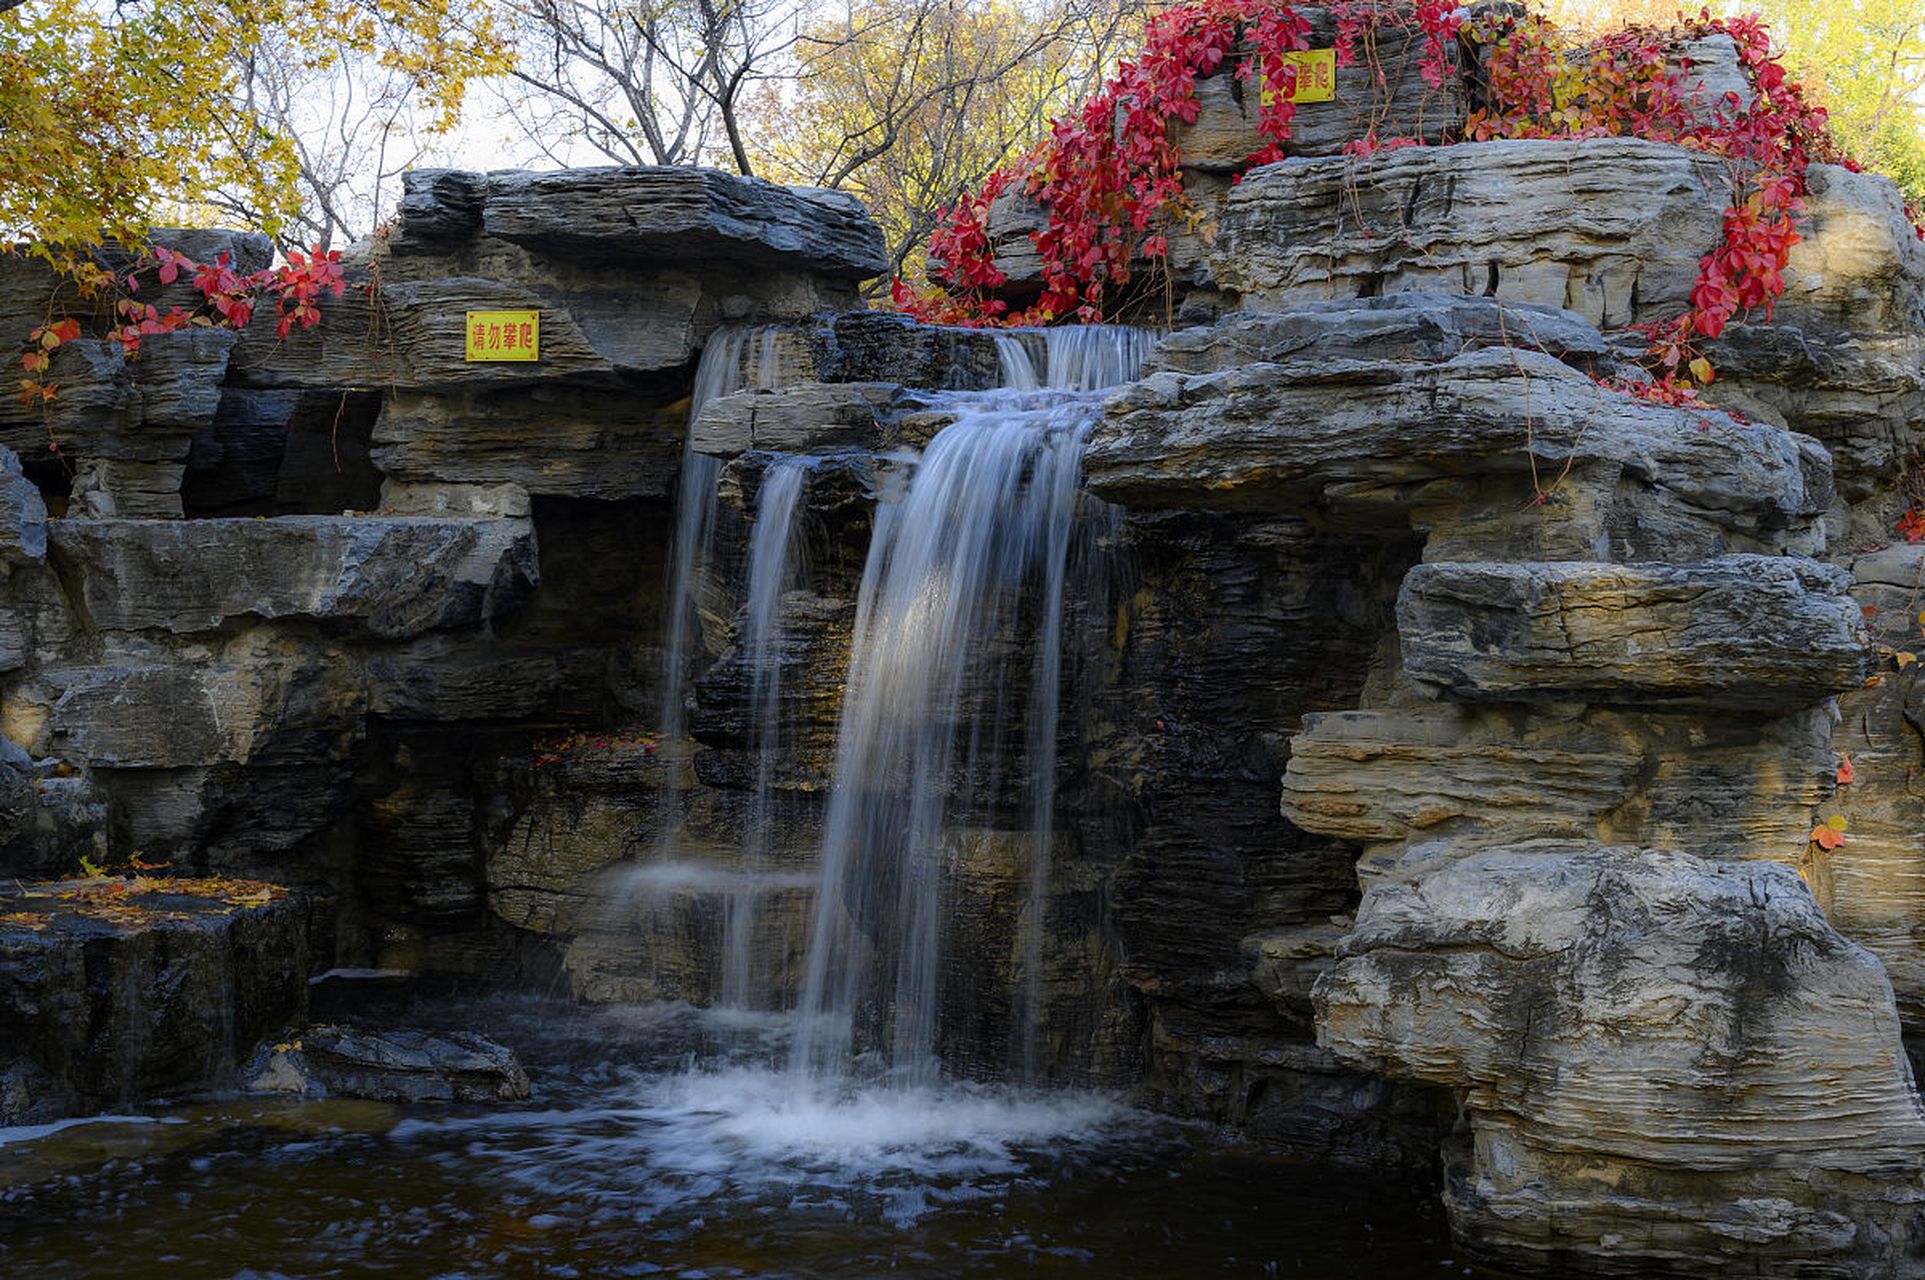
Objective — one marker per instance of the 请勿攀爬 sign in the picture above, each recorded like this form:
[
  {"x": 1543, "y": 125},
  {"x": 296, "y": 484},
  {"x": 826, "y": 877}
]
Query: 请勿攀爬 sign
[
  {"x": 504, "y": 335},
  {"x": 1316, "y": 77}
]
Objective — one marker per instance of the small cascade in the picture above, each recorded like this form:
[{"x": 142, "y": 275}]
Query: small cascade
[
  {"x": 1091, "y": 357},
  {"x": 1017, "y": 368},
  {"x": 967, "y": 577},
  {"x": 771, "y": 570},
  {"x": 1085, "y": 357},
  {"x": 724, "y": 369}
]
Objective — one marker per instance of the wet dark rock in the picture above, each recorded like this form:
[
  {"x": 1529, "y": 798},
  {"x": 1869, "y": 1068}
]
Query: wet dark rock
[
  {"x": 880, "y": 346},
  {"x": 115, "y": 998},
  {"x": 389, "y": 1065},
  {"x": 804, "y": 418}
]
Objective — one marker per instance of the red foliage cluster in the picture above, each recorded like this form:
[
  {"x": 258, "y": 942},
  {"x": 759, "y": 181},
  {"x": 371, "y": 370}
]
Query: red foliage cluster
[
  {"x": 1108, "y": 172},
  {"x": 1109, "y": 176},
  {"x": 228, "y": 300}
]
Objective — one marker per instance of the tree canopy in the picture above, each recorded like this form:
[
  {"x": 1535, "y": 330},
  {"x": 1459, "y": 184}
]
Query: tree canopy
[{"x": 291, "y": 115}]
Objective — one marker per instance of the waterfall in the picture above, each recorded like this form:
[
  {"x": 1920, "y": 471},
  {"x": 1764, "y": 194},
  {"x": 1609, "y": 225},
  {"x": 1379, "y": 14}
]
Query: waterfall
[
  {"x": 771, "y": 566},
  {"x": 1086, "y": 357},
  {"x": 1017, "y": 367},
  {"x": 968, "y": 567},
  {"x": 722, "y": 370}
]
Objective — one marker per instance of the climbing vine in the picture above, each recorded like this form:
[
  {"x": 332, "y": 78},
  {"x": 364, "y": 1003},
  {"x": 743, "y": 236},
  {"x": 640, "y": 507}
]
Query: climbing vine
[
  {"x": 228, "y": 300},
  {"x": 1110, "y": 177}
]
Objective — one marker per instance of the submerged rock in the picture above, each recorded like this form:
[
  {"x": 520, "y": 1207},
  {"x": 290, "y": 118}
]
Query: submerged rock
[{"x": 390, "y": 1066}]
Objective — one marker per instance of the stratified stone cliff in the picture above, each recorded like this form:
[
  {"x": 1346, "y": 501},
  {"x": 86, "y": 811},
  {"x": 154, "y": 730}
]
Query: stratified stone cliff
[
  {"x": 1614, "y": 698},
  {"x": 1442, "y": 736}
]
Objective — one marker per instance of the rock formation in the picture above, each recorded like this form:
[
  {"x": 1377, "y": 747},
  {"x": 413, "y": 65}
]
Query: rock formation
[
  {"x": 1618, "y": 642},
  {"x": 1443, "y": 735}
]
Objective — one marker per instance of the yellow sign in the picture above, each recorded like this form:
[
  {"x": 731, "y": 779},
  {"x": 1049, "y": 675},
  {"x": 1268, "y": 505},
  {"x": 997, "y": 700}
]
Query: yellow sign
[
  {"x": 504, "y": 335},
  {"x": 1316, "y": 77}
]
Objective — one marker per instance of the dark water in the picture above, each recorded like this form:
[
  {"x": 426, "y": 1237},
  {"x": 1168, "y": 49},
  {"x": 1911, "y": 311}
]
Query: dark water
[{"x": 631, "y": 1161}]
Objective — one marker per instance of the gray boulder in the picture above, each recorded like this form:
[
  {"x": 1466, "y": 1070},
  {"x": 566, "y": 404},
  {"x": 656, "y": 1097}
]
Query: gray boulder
[
  {"x": 1526, "y": 221},
  {"x": 1467, "y": 442},
  {"x": 1653, "y": 1023}
]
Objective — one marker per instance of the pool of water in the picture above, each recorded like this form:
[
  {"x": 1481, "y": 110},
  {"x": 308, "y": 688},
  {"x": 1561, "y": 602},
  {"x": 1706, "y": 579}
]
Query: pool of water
[{"x": 663, "y": 1142}]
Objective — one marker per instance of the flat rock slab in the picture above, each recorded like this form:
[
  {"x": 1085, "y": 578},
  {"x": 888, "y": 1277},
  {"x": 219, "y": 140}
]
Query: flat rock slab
[
  {"x": 1432, "y": 772},
  {"x": 395, "y": 576},
  {"x": 1759, "y": 633},
  {"x": 653, "y": 213},
  {"x": 1416, "y": 327},
  {"x": 1611, "y": 228},
  {"x": 115, "y": 990},
  {"x": 799, "y": 419},
  {"x": 1297, "y": 436},
  {"x": 391, "y": 1066}
]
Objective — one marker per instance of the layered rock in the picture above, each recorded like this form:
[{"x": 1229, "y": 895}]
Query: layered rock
[
  {"x": 122, "y": 426},
  {"x": 396, "y": 576},
  {"x": 1490, "y": 452},
  {"x": 1584, "y": 623},
  {"x": 1522, "y": 221},
  {"x": 1841, "y": 354},
  {"x": 112, "y": 993},
  {"x": 1739, "y": 632},
  {"x": 1657, "y": 1020}
]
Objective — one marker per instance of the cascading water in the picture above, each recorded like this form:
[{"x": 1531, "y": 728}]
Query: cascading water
[
  {"x": 948, "y": 734},
  {"x": 967, "y": 568},
  {"x": 724, "y": 369},
  {"x": 1072, "y": 358},
  {"x": 771, "y": 568}
]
